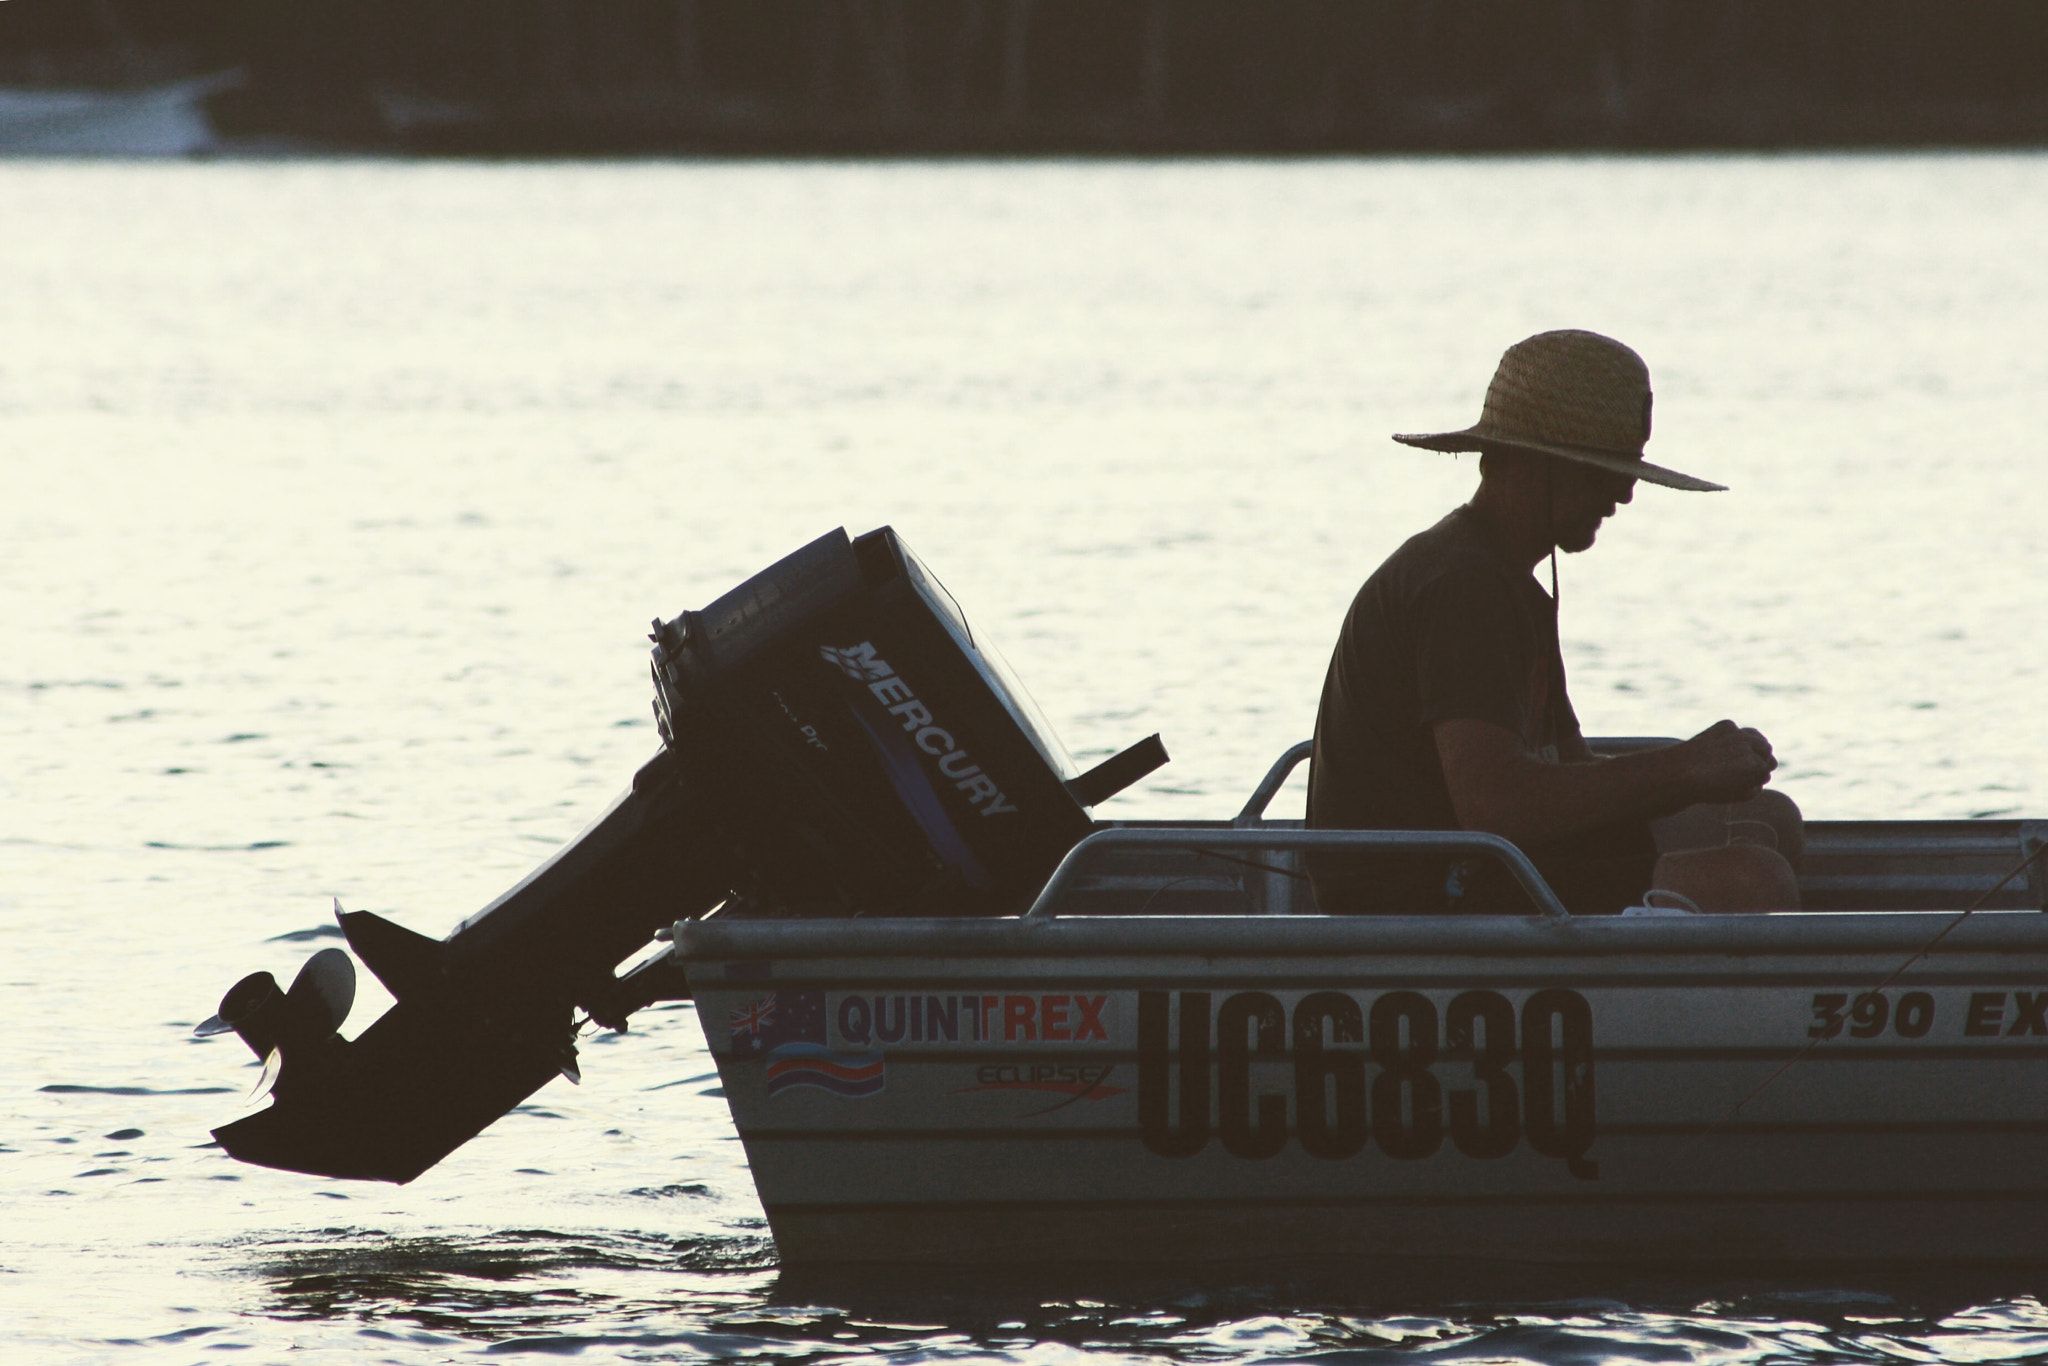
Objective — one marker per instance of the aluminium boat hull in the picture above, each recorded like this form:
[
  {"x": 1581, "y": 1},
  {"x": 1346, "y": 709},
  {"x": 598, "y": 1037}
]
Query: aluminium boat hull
[{"x": 1735, "y": 1090}]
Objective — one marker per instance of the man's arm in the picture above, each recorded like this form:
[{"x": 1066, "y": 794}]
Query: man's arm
[
  {"x": 1571, "y": 748},
  {"x": 1499, "y": 787}
]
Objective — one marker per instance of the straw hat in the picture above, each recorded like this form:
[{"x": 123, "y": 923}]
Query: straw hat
[{"x": 1573, "y": 394}]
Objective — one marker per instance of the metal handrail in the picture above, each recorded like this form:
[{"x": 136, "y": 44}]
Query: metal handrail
[
  {"x": 1378, "y": 841},
  {"x": 1262, "y": 795}
]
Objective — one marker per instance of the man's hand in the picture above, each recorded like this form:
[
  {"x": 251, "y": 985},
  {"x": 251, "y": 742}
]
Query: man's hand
[{"x": 1728, "y": 763}]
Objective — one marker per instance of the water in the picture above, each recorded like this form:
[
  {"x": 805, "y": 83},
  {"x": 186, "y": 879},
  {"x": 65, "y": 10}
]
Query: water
[{"x": 337, "y": 496}]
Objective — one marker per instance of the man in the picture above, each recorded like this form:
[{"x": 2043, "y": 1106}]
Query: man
[{"x": 1445, "y": 705}]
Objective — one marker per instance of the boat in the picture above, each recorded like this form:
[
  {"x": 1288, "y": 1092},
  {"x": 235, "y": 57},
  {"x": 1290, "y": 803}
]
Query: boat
[{"x": 957, "y": 1019}]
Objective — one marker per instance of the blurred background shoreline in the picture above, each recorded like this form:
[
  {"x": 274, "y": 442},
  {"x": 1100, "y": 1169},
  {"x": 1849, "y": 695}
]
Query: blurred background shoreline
[{"x": 1020, "y": 77}]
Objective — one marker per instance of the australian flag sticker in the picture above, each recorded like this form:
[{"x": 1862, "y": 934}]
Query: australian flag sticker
[{"x": 787, "y": 1028}]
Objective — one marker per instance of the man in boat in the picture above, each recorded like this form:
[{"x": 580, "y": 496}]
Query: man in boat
[{"x": 1445, "y": 705}]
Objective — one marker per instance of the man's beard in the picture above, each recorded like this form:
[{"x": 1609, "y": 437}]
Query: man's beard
[{"x": 1572, "y": 540}]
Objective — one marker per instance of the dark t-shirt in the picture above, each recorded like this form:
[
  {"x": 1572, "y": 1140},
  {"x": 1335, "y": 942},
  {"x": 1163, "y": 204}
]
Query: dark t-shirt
[{"x": 1447, "y": 629}]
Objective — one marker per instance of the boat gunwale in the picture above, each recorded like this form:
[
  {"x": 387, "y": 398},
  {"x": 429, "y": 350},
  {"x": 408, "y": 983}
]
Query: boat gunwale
[{"x": 1320, "y": 936}]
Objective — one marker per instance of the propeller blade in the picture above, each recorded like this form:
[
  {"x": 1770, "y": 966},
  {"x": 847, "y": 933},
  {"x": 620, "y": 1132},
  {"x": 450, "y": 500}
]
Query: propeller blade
[
  {"x": 273, "y": 1065},
  {"x": 329, "y": 979}
]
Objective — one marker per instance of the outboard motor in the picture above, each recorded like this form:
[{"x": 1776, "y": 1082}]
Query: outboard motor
[{"x": 836, "y": 742}]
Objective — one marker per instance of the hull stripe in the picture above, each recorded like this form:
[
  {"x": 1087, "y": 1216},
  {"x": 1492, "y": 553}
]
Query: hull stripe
[
  {"x": 1834, "y": 1050},
  {"x": 1200, "y": 977},
  {"x": 1758, "y": 1129},
  {"x": 1765, "y": 1197}
]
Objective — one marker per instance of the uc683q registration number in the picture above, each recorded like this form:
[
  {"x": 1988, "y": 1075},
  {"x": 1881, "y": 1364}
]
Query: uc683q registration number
[{"x": 1352, "y": 1075}]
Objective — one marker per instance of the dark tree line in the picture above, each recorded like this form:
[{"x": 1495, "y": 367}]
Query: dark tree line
[{"x": 1077, "y": 75}]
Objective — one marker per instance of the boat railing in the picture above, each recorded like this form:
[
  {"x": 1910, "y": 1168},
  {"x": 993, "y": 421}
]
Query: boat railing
[
  {"x": 1234, "y": 850},
  {"x": 1280, "y": 887},
  {"x": 1254, "y": 812},
  {"x": 1847, "y": 865}
]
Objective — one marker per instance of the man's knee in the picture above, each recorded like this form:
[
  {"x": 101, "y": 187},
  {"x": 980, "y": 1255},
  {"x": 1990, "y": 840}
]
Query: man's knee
[
  {"x": 1770, "y": 819},
  {"x": 1733, "y": 878},
  {"x": 1704, "y": 826},
  {"x": 1778, "y": 811}
]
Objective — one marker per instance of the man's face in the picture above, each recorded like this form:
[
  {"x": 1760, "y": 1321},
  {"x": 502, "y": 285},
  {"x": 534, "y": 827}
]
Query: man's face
[{"x": 1582, "y": 497}]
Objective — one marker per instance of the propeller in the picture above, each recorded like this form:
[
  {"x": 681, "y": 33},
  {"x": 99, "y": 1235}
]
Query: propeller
[{"x": 271, "y": 1021}]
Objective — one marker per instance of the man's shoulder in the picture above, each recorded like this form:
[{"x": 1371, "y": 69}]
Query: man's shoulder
[{"x": 1453, "y": 550}]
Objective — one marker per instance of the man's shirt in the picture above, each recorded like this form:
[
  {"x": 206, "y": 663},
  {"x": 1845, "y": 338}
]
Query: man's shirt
[{"x": 1447, "y": 629}]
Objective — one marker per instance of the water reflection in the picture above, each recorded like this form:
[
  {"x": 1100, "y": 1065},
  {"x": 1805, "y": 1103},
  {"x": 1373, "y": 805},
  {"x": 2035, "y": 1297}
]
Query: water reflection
[
  {"x": 1368, "y": 1313},
  {"x": 495, "y": 1285},
  {"x": 720, "y": 1297}
]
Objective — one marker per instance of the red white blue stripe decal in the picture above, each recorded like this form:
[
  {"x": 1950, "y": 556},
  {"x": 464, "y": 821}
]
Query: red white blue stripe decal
[{"x": 810, "y": 1064}]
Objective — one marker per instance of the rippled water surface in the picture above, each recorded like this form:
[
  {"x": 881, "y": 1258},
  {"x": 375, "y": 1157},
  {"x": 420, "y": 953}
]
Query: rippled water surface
[{"x": 336, "y": 497}]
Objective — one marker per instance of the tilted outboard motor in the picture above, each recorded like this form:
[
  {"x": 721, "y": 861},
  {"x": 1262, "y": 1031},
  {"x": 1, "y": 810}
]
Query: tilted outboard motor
[{"x": 835, "y": 742}]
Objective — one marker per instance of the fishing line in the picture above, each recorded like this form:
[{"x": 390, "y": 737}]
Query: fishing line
[
  {"x": 1253, "y": 863},
  {"x": 1146, "y": 906},
  {"x": 1818, "y": 1039}
]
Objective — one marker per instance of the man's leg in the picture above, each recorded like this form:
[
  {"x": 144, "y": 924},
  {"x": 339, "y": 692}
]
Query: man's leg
[
  {"x": 1770, "y": 818},
  {"x": 1734, "y": 878},
  {"x": 1738, "y": 857}
]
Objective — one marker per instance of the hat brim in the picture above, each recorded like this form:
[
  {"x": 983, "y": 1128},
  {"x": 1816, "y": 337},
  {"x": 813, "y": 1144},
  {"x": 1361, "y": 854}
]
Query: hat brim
[{"x": 1472, "y": 439}]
